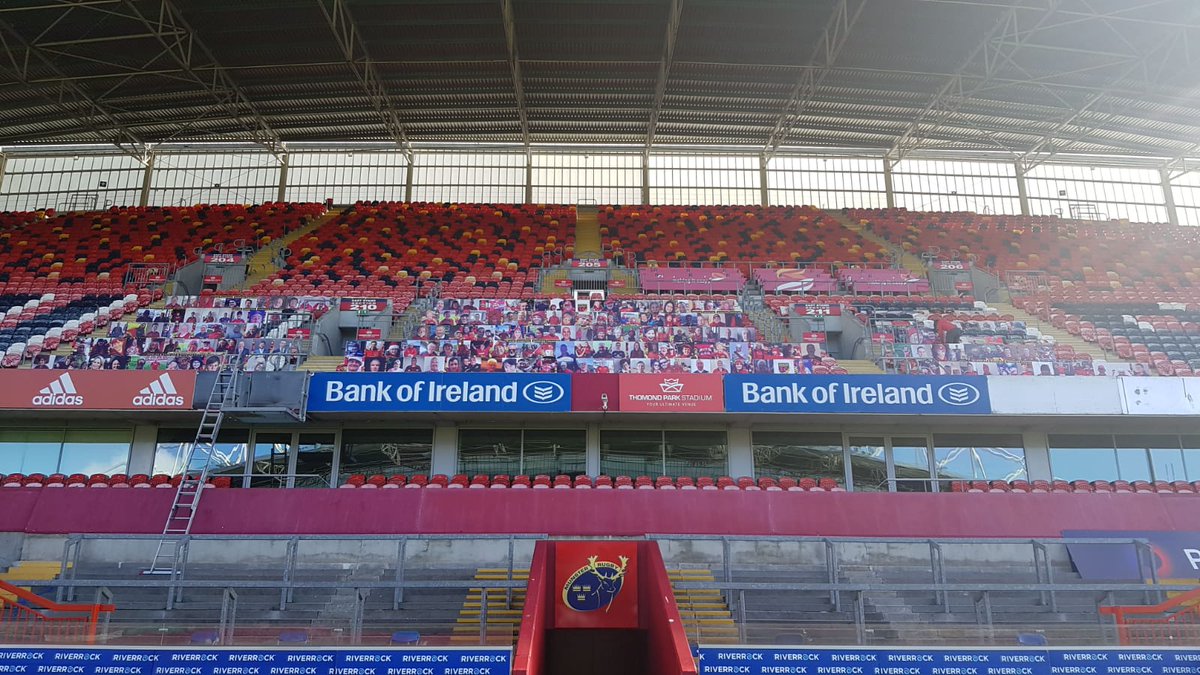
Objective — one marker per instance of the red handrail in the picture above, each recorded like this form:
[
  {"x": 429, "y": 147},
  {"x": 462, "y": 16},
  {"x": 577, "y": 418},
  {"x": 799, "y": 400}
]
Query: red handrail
[
  {"x": 1176, "y": 621},
  {"x": 45, "y": 620}
]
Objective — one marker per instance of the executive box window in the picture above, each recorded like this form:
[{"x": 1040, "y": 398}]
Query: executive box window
[
  {"x": 386, "y": 452},
  {"x": 522, "y": 451},
  {"x": 228, "y": 454},
  {"x": 979, "y": 457},
  {"x": 786, "y": 454},
  {"x": 668, "y": 453},
  {"x": 67, "y": 451},
  {"x": 1128, "y": 457}
]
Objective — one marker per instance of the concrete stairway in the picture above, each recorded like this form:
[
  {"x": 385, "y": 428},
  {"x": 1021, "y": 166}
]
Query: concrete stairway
[
  {"x": 860, "y": 367},
  {"x": 909, "y": 261},
  {"x": 1060, "y": 336},
  {"x": 322, "y": 364},
  {"x": 706, "y": 616},
  {"x": 548, "y": 281},
  {"x": 587, "y": 232},
  {"x": 262, "y": 264},
  {"x": 29, "y": 570},
  {"x": 503, "y": 615}
]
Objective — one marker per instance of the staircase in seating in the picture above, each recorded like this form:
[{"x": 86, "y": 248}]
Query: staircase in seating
[
  {"x": 587, "y": 232},
  {"x": 908, "y": 261},
  {"x": 706, "y": 616},
  {"x": 503, "y": 617},
  {"x": 1060, "y": 336},
  {"x": 262, "y": 264}
]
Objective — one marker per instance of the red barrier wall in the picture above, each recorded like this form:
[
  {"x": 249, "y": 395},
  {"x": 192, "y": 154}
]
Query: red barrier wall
[
  {"x": 668, "y": 645},
  {"x": 596, "y": 512},
  {"x": 530, "y": 653}
]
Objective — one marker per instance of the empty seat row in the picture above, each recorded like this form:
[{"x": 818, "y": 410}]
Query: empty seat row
[
  {"x": 1077, "y": 486},
  {"x": 100, "y": 480},
  {"x": 562, "y": 481}
]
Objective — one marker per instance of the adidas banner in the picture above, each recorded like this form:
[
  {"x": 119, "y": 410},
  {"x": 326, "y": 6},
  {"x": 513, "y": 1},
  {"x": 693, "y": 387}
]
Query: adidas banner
[
  {"x": 882, "y": 394},
  {"x": 96, "y": 390},
  {"x": 439, "y": 392}
]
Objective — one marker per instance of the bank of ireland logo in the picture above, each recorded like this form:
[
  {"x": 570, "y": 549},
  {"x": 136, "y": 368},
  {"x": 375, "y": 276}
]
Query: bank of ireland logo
[
  {"x": 959, "y": 393},
  {"x": 596, "y": 585},
  {"x": 543, "y": 393}
]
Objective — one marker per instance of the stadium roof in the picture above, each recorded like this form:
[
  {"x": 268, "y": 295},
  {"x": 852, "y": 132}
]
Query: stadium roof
[{"x": 1028, "y": 77}]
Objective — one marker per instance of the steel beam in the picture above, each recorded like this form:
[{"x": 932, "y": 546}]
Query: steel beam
[
  {"x": 674, "y": 14},
  {"x": 514, "y": 65},
  {"x": 354, "y": 50},
  {"x": 19, "y": 55},
  {"x": 1050, "y": 144},
  {"x": 837, "y": 31},
  {"x": 996, "y": 49},
  {"x": 181, "y": 43}
]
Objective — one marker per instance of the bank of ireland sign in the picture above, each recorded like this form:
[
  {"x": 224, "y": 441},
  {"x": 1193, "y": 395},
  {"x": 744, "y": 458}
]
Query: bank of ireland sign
[
  {"x": 403, "y": 392},
  {"x": 883, "y": 395}
]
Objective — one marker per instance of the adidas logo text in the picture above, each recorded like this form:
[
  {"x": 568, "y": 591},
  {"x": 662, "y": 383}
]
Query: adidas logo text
[
  {"x": 161, "y": 392},
  {"x": 60, "y": 392}
]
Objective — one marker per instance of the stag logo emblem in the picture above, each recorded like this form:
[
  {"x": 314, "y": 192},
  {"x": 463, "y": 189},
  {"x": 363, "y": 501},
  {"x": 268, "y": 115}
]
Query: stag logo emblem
[{"x": 594, "y": 586}]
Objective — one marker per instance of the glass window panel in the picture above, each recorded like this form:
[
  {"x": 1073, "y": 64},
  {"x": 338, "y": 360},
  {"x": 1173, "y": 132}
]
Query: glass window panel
[
  {"x": 979, "y": 457},
  {"x": 696, "y": 453},
  {"x": 631, "y": 453},
  {"x": 489, "y": 451},
  {"x": 30, "y": 450},
  {"x": 780, "y": 454},
  {"x": 910, "y": 458},
  {"x": 229, "y": 454},
  {"x": 270, "y": 464},
  {"x": 1133, "y": 464},
  {"x": 554, "y": 451},
  {"x": 385, "y": 451},
  {"x": 314, "y": 460},
  {"x": 95, "y": 451},
  {"x": 1083, "y": 457},
  {"x": 868, "y": 464}
]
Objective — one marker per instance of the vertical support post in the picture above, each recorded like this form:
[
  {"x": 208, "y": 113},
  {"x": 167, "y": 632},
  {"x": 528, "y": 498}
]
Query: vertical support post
[
  {"x": 398, "y": 594},
  {"x": 483, "y": 615},
  {"x": 831, "y": 569},
  {"x": 283, "y": 178},
  {"x": 3, "y": 167},
  {"x": 888, "y": 186},
  {"x": 764, "y": 194},
  {"x": 528, "y": 176},
  {"x": 285, "y": 594},
  {"x": 646, "y": 178},
  {"x": 1169, "y": 196},
  {"x": 1040, "y": 563},
  {"x": 742, "y": 616},
  {"x": 147, "y": 180},
  {"x": 860, "y": 619},
  {"x": 508, "y": 592},
  {"x": 228, "y": 623},
  {"x": 1022, "y": 189},
  {"x": 356, "y": 622},
  {"x": 592, "y": 452},
  {"x": 408, "y": 177}
]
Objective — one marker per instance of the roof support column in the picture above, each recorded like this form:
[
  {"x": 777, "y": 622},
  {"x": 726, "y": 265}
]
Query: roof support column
[
  {"x": 283, "y": 177},
  {"x": 887, "y": 183},
  {"x": 147, "y": 181},
  {"x": 408, "y": 177},
  {"x": 3, "y": 166},
  {"x": 528, "y": 176},
  {"x": 1169, "y": 196},
  {"x": 764, "y": 195},
  {"x": 1022, "y": 189},
  {"x": 646, "y": 178}
]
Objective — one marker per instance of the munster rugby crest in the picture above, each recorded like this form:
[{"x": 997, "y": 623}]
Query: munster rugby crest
[{"x": 596, "y": 585}]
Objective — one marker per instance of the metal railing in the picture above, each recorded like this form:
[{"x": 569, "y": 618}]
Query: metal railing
[
  {"x": 1173, "y": 621},
  {"x": 26, "y": 617},
  {"x": 839, "y": 570}
]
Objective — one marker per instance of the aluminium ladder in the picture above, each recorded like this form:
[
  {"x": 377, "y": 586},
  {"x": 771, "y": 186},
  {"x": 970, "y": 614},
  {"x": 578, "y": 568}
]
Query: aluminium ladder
[{"x": 195, "y": 467}]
